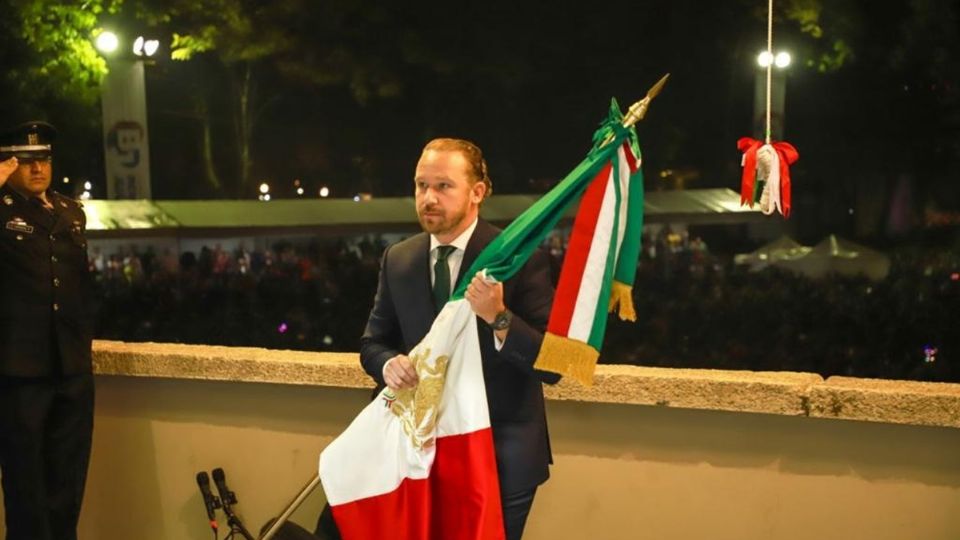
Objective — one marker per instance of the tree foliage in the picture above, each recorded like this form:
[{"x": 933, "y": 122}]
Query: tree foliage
[{"x": 60, "y": 61}]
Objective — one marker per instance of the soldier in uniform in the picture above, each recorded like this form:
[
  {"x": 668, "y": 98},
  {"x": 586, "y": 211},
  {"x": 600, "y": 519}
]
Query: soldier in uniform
[{"x": 46, "y": 381}]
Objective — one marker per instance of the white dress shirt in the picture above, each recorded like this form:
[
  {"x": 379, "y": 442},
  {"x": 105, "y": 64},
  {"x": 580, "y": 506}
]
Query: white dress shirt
[{"x": 455, "y": 259}]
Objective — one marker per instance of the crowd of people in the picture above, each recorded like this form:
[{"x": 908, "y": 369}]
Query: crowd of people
[
  {"x": 695, "y": 308},
  {"x": 311, "y": 297}
]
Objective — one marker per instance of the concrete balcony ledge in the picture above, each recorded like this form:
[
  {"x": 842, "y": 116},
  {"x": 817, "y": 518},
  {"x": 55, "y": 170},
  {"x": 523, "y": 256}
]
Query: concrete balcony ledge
[{"x": 778, "y": 393}]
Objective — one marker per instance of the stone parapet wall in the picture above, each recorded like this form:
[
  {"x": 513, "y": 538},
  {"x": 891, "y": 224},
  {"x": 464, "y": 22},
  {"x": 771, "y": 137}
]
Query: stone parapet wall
[{"x": 780, "y": 393}]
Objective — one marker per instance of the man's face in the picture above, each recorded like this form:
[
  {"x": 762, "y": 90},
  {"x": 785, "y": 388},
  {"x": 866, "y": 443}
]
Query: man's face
[
  {"x": 447, "y": 200},
  {"x": 32, "y": 177}
]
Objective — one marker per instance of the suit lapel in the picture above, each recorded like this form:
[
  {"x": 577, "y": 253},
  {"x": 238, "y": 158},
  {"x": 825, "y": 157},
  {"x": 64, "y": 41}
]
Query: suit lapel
[
  {"x": 419, "y": 298},
  {"x": 482, "y": 235}
]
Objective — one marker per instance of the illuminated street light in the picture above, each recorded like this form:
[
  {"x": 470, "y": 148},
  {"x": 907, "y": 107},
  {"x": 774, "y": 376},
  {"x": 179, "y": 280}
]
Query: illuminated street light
[
  {"x": 777, "y": 80},
  {"x": 764, "y": 59},
  {"x": 124, "y": 109},
  {"x": 145, "y": 47},
  {"x": 150, "y": 47},
  {"x": 107, "y": 42},
  {"x": 782, "y": 60}
]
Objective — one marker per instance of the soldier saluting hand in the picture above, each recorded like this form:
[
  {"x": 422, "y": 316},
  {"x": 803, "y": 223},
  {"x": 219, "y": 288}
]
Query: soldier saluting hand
[{"x": 7, "y": 167}]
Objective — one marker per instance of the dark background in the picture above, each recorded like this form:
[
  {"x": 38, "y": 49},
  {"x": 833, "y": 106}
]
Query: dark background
[{"x": 344, "y": 93}]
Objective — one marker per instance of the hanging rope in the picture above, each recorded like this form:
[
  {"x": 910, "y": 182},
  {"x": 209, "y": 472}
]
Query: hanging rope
[
  {"x": 766, "y": 164},
  {"x": 769, "y": 64}
]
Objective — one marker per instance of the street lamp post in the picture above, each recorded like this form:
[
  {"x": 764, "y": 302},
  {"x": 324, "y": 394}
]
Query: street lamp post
[
  {"x": 124, "y": 103},
  {"x": 778, "y": 91}
]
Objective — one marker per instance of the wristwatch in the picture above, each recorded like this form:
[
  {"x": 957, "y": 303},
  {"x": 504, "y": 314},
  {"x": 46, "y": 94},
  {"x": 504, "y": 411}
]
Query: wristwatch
[{"x": 502, "y": 320}]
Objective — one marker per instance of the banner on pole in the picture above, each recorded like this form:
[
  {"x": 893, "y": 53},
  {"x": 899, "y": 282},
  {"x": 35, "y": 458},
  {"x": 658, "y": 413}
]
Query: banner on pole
[{"x": 125, "y": 140}]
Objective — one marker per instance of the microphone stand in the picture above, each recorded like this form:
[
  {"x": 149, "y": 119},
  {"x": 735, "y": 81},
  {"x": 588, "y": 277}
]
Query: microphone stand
[
  {"x": 227, "y": 499},
  {"x": 236, "y": 526}
]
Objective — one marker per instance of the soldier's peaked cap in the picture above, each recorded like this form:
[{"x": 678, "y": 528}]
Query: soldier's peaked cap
[{"x": 30, "y": 140}]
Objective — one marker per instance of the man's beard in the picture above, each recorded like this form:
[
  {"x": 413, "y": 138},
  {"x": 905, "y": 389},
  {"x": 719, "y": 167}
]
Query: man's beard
[{"x": 438, "y": 225}]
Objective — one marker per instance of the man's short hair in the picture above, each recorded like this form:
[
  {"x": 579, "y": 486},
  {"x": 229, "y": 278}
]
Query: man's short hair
[{"x": 471, "y": 152}]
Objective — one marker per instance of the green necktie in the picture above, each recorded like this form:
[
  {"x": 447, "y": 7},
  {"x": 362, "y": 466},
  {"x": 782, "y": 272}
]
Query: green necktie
[{"x": 441, "y": 277}]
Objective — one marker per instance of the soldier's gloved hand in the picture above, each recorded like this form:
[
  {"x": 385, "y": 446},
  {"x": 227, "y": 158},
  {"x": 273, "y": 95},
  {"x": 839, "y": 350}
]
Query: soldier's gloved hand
[{"x": 6, "y": 169}]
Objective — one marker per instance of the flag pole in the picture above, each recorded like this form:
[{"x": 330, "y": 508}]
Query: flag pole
[
  {"x": 288, "y": 511},
  {"x": 638, "y": 110}
]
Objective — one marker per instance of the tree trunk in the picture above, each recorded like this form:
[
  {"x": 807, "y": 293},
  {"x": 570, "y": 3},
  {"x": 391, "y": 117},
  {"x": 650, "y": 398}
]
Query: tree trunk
[
  {"x": 244, "y": 127},
  {"x": 209, "y": 168}
]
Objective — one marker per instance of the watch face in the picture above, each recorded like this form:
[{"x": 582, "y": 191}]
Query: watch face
[{"x": 502, "y": 321}]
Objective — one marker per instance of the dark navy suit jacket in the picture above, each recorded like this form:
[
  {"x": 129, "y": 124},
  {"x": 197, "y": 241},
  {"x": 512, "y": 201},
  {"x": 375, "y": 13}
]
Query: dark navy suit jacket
[{"x": 403, "y": 312}]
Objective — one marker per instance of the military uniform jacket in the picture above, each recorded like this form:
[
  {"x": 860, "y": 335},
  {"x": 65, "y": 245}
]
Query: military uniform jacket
[{"x": 45, "y": 287}]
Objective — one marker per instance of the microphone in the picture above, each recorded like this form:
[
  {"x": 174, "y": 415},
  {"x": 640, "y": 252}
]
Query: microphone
[
  {"x": 220, "y": 479},
  {"x": 229, "y": 498},
  {"x": 210, "y": 502}
]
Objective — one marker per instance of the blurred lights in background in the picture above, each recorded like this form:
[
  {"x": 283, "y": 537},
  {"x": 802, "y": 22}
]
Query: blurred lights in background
[
  {"x": 145, "y": 47},
  {"x": 781, "y": 60},
  {"x": 107, "y": 42}
]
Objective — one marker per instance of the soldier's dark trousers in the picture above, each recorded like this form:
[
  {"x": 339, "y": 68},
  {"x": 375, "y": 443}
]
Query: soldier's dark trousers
[{"x": 45, "y": 434}]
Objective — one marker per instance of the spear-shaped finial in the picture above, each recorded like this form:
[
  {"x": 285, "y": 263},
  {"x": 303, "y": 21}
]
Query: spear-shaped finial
[{"x": 638, "y": 110}]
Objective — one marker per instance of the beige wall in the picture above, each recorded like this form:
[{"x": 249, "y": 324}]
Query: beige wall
[{"x": 622, "y": 471}]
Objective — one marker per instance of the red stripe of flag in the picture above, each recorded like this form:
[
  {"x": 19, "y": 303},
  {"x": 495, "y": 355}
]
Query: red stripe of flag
[
  {"x": 460, "y": 500},
  {"x": 571, "y": 275}
]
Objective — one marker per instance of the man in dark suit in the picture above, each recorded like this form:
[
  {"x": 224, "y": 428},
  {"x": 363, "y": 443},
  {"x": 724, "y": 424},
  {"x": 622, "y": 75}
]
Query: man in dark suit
[
  {"x": 46, "y": 381},
  {"x": 416, "y": 278}
]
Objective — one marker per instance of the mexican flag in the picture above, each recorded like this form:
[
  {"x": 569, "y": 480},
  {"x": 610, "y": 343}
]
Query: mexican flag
[{"x": 419, "y": 464}]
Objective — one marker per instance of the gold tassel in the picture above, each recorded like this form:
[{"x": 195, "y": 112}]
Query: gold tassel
[
  {"x": 622, "y": 294},
  {"x": 568, "y": 357}
]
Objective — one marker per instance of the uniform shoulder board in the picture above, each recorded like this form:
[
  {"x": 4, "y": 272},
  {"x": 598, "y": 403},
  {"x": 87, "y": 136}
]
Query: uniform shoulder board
[{"x": 65, "y": 201}]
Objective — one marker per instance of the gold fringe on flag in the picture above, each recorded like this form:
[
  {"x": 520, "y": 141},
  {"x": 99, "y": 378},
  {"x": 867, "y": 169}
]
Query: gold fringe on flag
[
  {"x": 568, "y": 357},
  {"x": 622, "y": 294}
]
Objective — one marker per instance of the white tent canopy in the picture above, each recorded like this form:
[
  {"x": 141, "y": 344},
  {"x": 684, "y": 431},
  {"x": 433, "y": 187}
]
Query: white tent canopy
[
  {"x": 700, "y": 206},
  {"x": 781, "y": 249},
  {"x": 833, "y": 255}
]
